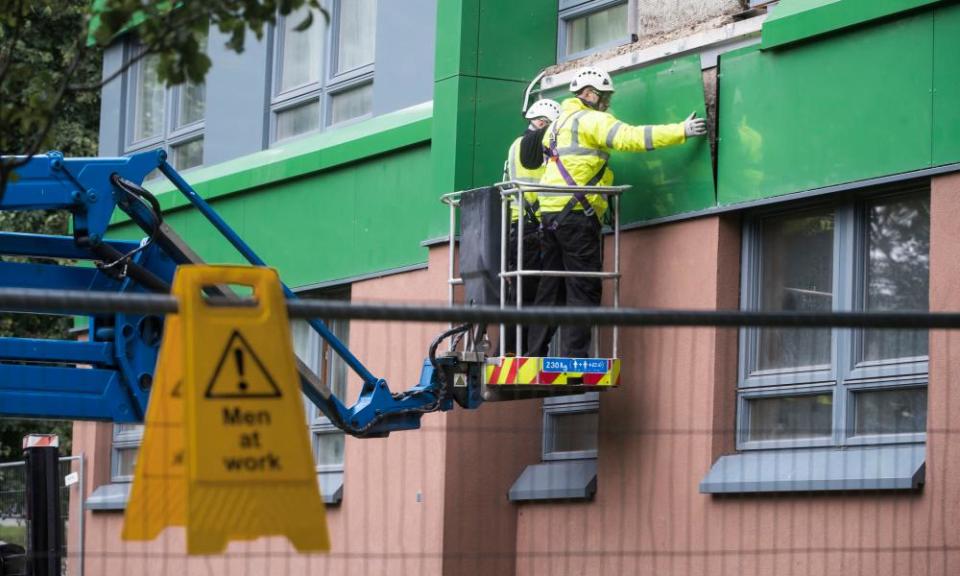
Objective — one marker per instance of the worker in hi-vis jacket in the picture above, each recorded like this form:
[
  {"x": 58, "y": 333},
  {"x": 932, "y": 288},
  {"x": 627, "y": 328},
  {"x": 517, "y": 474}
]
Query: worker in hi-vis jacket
[
  {"x": 578, "y": 147},
  {"x": 525, "y": 165}
]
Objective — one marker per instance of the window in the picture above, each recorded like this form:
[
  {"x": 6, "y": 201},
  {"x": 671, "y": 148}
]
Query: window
[
  {"x": 324, "y": 74},
  {"x": 126, "y": 443},
  {"x": 570, "y": 425},
  {"x": 326, "y": 439},
  {"x": 588, "y": 26},
  {"x": 836, "y": 387},
  {"x": 161, "y": 116}
]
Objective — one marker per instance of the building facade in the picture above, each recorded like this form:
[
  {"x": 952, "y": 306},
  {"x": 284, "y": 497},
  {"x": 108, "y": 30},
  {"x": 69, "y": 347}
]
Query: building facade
[{"x": 829, "y": 183}]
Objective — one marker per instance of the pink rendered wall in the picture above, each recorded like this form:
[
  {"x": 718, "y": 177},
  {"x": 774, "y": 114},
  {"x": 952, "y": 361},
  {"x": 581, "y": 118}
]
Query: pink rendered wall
[
  {"x": 431, "y": 501},
  {"x": 673, "y": 415},
  {"x": 390, "y": 520}
]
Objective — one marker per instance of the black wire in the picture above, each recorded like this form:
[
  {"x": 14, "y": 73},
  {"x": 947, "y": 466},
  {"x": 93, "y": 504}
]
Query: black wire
[
  {"x": 443, "y": 336},
  {"x": 140, "y": 194}
]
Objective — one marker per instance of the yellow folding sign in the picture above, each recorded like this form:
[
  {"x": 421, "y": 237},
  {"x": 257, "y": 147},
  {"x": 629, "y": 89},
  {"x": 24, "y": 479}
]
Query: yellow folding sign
[{"x": 241, "y": 465}]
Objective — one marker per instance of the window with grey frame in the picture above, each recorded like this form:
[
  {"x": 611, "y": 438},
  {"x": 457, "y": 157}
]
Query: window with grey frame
[
  {"x": 589, "y": 26},
  {"x": 126, "y": 445},
  {"x": 326, "y": 439},
  {"x": 836, "y": 387},
  {"x": 570, "y": 425},
  {"x": 160, "y": 116},
  {"x": 323, "y": 76}
]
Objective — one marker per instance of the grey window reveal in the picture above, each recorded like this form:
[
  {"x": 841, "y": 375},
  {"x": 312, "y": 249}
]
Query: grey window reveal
[
  {"x": 804, "y": 388},
  {"x": 589, "y": 26}
]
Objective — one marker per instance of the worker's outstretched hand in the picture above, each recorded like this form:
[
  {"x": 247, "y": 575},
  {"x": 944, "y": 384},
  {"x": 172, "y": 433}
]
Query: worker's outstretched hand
[{"x": 694, "y": 126}]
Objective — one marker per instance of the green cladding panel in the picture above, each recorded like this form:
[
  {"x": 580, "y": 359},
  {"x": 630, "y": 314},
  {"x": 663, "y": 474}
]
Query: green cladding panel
[
  {"x": 517, "y": 39},
  {"x": 498, "y": 123},
  {"x": 850, "y": 107},
  {"x": 671, "y": 180},
  {"x": 487, "y": 52},
  {"x": 352, "y": 220},
  {"x": 946, "y": 85},
  {"x": 795, "y": 20},
  {"x": 458, "y": 22}
]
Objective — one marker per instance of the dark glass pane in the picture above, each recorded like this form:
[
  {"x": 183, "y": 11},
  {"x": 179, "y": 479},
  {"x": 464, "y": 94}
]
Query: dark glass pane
[
  {"x": 791, "y": 417},
  {"x": 299, "y": 120},
  {"x": 902, "y": 411},
  {"x": 302, "y": 50},
  {"x": 328, "y": 448},
  {"x": 189, "y": 155},
  {"x": 898, "y": 273},
  {"x": 596, "y": 29},
  {"x": 356, "y": 41},
  {"x": 574, "y": 432},
  {"x": 796, "y": 275}
]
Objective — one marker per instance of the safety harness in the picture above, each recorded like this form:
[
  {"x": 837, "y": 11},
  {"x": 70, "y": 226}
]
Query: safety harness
[
  {"x": 554, "y": 154},
  {"x": 530, "y": 209}
]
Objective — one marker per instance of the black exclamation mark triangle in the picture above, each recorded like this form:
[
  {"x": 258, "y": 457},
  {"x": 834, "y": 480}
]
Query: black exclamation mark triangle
[{"x": 243, "y": 376}]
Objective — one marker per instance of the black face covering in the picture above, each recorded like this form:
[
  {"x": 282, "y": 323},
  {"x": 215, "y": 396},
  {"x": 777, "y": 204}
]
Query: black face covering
[{"x": 531, "y": 148}]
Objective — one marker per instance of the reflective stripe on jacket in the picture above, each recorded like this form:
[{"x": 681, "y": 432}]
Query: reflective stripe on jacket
[
  {"x": 515, "y": 170},
  {"x": 584, "y": 139}
]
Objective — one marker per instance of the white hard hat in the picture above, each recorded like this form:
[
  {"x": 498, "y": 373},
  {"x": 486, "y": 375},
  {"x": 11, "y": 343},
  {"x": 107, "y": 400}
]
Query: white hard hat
[
  {"x": 545, "y": 108},
  {"x": 593, "y": 77}
]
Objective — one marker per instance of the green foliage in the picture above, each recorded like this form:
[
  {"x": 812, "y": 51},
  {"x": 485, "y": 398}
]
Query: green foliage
[{"x": 51, "y": 53}]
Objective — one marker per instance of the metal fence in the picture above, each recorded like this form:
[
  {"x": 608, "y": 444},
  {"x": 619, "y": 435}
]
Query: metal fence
[{"x": 13, "y": 508}]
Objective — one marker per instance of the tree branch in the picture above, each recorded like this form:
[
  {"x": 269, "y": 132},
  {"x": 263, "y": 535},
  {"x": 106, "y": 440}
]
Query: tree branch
[{"x": 7, "y": 58}]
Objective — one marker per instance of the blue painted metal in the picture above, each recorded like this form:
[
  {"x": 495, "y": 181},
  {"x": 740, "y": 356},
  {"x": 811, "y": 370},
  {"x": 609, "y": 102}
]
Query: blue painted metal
[
  {"x": 583, "y": 365},
  {"x": 37, "y": 350},
  {"x": 38, "y": 245},
  {"x": 39, "y": 378},
  {"x": 26, "y": 275},
  {"x": 44, "y": 391},
  {"x": 376, "y": 402}
]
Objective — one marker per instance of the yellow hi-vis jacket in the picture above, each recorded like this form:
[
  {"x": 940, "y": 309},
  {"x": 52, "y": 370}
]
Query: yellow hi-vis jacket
[
  {"x": 514, "y": 170},
  {"x": 584, "y": 139}
]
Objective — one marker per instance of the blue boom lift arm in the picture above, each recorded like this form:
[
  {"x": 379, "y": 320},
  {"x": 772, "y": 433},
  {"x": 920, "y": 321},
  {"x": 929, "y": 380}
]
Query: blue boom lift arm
[{"x": 108, "y": 376}]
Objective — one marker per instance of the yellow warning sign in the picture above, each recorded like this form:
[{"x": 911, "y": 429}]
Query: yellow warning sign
[
  {"x": 240, "y": 373},
  {"x": 248, "y": 469},
  {"x": 158, "y": 497}
]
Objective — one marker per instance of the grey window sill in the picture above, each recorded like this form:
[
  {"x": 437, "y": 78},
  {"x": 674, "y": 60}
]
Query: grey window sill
[
  {"x": 892, "y": 467},
  {"x": 109, "y": 497},
  {"x": 556, "y": 480},
  {"x": 114, "y": 496}
]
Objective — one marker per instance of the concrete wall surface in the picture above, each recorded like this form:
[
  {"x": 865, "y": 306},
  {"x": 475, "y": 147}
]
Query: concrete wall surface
[{"x": 661, "y": 16}]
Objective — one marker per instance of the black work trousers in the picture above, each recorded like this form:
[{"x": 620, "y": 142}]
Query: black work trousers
[
  {"x": 572, "y": 244},
  {"x": 531, "y": 261}
]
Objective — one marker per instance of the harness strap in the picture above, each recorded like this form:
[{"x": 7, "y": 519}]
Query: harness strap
[{"x": 577, "y": 197}]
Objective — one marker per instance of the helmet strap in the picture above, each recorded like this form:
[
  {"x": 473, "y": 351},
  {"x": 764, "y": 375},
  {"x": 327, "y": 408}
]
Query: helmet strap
[{"x": 587, "y": 103}]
